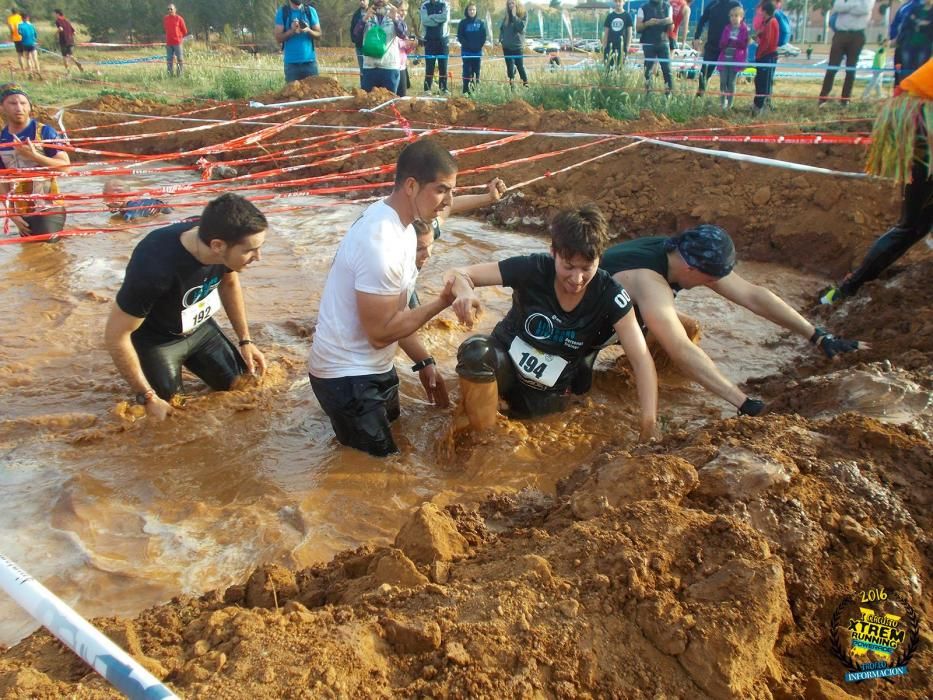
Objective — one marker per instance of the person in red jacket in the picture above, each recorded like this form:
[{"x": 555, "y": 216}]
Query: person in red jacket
[
  {"x": 767, "y": 54},
  {"x": 175, "y": 33}
]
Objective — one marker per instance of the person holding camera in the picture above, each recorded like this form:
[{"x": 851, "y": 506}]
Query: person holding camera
[
  {"x": 382, "y": 30},
  {"x": 296, "y": 28},
  {"x": 512, "y": 38},
  {"x": 435, "y": 18}
]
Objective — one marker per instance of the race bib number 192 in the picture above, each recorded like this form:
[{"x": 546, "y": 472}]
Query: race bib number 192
[{"x": 200, "y": 311}]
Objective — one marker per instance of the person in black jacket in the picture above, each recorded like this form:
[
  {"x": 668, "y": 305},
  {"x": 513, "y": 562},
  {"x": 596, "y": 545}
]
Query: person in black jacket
[
  {"x": 471, "y": 33},
  {"x": 716, "y": 15},
  {"x": 654, "y": 20},
  {"x": 512, "y": 38},
  {"x": 435, "y": 20},
  {"x": 357, "y": 37}
]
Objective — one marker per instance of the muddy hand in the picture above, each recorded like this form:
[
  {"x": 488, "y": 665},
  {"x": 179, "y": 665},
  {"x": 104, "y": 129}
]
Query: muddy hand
[
  {"x": 254, "y": 359},
  {"x": 158, "y": 409},
  {"x": 467, "y": 308},
  {"x": 496, "y": 189},
  {"x": 434, "y": 386}
]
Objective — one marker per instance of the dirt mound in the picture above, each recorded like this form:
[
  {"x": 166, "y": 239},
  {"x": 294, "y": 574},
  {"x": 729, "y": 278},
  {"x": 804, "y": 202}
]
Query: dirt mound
[
  {"x": 706, "y": 566},
  {"x": 308, "y": 89}
]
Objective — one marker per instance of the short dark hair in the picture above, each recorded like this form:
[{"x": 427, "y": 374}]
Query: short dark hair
[
  {"x": 425, "y": 160},
  {"x": 769, "y": 8},
  {"x": 59, "y": 12},
  {"x": 230, "y": 218},
  {"x": 580, "y": 231}
]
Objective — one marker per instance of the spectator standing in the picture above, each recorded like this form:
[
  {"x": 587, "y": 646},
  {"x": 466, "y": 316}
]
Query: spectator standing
[
  {"x": 617, "y": 35},
  {"x": 915, "y": 37},
  {"x": 654, "y": 20},
  {"x": 850, "y": 20},
  {"x": 435, "y": 20},
  {"x": 358, "y": 42},
  {"x": 296, "y": 28},
  {"x": 512, "y": 38},
  {"x": 733, "y": 50},
  {"x": 895, "y": 29},
  {"x": 13, "y": 21},
  {"x": 715, "y": 18},
  {"x": 382, "y": 35},
  {"x": 19, "y": 150},
  {"x": 877, "y": 72},
  {"x": 471, "y": 33},
  {"x": 766, "y": 54},
  {"x": 681, "y": 16},
  {"x": 404, "y": 47},
  {"x": 175, "y": 33},
  {"x": 66, "y": 39},
  {"x": 29, "y": 39}
]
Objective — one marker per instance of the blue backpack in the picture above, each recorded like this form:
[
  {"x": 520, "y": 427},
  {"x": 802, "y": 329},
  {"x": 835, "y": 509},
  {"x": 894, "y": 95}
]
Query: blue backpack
[{"x": 783, "y": 27}]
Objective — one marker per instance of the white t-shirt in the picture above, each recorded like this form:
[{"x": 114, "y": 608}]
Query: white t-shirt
[{"x": 377, "y": 256}]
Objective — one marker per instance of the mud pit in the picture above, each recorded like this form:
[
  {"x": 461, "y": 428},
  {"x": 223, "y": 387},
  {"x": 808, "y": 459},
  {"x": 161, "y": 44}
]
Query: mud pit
[{"x": 707, "y": 565}]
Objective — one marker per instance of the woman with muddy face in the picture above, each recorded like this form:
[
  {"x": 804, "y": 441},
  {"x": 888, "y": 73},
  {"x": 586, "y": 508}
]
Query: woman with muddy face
[
  {"x": 562, "y": 302},
  {"x": 25, "y": 144}
]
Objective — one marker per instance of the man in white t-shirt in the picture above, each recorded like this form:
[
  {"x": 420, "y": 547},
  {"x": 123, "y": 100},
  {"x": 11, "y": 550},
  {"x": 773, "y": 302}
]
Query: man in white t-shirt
[{"x": 364, "y": 314}]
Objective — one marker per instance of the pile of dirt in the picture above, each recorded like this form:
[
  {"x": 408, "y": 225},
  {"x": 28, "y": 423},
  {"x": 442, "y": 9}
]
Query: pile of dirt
[
  {"x": 308, "y": 89},
  {"x": 706, "y": 566}
]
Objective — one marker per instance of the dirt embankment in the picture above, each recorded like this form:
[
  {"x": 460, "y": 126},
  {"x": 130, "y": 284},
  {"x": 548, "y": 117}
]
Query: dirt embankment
[{"x": 707, "y": 565}]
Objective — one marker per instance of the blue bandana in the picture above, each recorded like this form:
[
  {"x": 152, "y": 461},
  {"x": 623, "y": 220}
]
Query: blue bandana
[{"x": 706, "y": 248}]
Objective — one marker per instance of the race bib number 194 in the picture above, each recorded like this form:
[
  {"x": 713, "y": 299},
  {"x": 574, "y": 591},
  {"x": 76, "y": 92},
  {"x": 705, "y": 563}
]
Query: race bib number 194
[{"x": 535, "y": 365}]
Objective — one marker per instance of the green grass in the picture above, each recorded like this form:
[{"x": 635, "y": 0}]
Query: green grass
[{"x": 223, "y": 73}]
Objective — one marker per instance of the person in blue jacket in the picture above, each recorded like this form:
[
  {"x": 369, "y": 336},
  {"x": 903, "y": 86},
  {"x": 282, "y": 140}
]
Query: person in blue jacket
[
  {"x": 471, "y": 33},
  {"x": 895, "y": 29}
]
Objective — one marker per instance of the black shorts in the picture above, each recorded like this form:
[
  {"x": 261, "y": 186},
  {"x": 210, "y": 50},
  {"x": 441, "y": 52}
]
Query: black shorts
[
  {"x": 19, "y": 46},
  {"x": 360, "y": 409},
  {"x": 67, "y": 50},
  {"x": 206, "y": 352}
]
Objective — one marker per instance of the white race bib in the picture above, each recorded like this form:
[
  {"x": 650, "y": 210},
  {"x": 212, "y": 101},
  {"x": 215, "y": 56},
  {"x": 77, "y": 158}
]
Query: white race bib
[
  {"x": 535, "y": 365},
  {"x": 200, "y": 311}
]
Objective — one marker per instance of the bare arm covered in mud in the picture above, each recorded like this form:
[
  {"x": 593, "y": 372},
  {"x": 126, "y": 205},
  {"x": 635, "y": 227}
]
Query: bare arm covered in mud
[
  {"x": 386, "y": 320},
  {"x": 655, "y": 302},
  {"x": 461, "y": 204},
  {"x": 231, "y": 296},
  {"x": 646, "y": 377},
  {"x": 120, "y": 325},
  {"x": 765, "y": 303}
]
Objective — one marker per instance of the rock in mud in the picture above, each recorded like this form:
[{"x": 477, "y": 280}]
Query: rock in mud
[
  {"x": 396, "y": 569},
  {"x": 741, "y": 474},
  {"x": 270, "y": 586},
  {"x": 630, "y": 479},
  {"x": 411, "y": 637},
  {"x": 431, "y": 535}
]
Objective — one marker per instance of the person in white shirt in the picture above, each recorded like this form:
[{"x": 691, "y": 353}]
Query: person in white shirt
[
  {"x": 849, "y": 19},
  {"x": 364, "y": 315}
]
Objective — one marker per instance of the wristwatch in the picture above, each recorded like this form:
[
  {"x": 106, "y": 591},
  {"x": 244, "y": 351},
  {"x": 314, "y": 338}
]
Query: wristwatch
[
  {"x": 418, "y": 366},
  {"x": 143, "y": 398}
]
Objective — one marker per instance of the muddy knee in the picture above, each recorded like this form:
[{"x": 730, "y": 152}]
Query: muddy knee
[{"x": 478, "y": 363}]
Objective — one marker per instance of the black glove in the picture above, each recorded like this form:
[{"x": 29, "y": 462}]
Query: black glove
[
  {"x": 752, "y": 407},
  {"x": 830, "y": 344}
]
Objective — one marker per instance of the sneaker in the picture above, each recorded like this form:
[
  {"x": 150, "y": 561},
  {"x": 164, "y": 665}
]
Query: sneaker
[{"x": 829, "y": 295}]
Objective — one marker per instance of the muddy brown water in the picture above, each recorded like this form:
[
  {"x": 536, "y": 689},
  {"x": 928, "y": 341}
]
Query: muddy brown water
[{"x": 115, "y": 515}]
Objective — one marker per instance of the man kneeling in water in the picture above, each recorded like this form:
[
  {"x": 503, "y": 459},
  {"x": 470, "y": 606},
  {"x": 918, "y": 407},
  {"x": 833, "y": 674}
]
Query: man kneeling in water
[
  {"x": 656, "y": 268},
  {"x": 178, "y": 277},
  {"x": 561, "y": 304},
  {"x": 129, "y": 209}
]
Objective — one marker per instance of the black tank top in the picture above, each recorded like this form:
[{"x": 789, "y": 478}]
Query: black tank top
[{"x": 638, "y": 254}]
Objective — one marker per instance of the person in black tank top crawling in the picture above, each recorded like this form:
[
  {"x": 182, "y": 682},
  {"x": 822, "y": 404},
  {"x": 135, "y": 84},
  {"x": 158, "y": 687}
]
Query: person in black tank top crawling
[
  {"x": 561, "y": 304},
  {"x": 654, "y": 269}
]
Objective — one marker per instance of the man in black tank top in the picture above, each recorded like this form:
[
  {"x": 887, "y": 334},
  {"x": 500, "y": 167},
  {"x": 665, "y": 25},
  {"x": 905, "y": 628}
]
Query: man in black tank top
[{"x": 653, "y": 270}]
